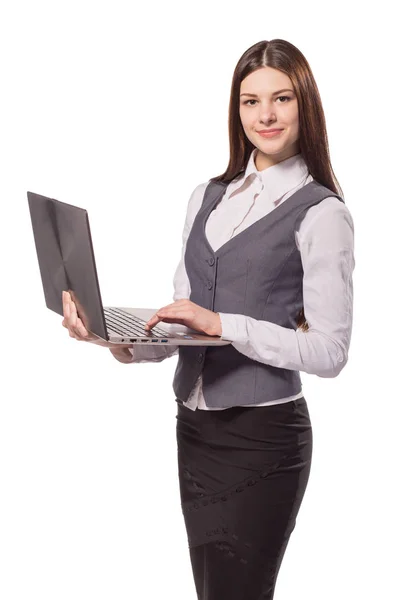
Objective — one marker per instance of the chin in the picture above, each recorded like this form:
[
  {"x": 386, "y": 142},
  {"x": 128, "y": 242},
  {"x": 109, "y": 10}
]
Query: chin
[{"x": 272, "y": 149}]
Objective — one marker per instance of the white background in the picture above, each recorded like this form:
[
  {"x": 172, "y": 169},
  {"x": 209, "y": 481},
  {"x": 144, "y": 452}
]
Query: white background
[{"x": 122, "y": 109}]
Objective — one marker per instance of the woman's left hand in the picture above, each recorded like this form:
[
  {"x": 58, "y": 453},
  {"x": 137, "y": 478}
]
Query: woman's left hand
[{"x": 185, "y": 312}]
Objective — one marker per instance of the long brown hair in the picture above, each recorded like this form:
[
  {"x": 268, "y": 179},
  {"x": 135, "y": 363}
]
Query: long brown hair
[{"x": 313, "y": 139}]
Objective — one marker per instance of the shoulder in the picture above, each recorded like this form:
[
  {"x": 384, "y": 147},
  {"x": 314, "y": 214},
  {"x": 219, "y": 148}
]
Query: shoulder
[
  {"x": 197, "y": 193},
  {"x": 327, "y": 226},
  {"x": 330, "y": 211},
  {"x": 195, "y": 201},
  {"x": 201, "y": 187},
  {"x": 328, "y": 223}
]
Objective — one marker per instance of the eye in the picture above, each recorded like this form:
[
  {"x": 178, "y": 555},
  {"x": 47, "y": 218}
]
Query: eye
[{"x": 252, "y": 100}]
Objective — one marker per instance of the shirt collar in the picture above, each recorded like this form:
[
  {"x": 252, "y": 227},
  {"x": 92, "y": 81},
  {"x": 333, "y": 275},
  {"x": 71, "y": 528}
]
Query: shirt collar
[{"x": 276, "y": 180}]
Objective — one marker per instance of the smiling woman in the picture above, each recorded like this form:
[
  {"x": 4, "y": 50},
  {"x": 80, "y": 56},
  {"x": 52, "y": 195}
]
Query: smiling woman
[
  {"x": 277, "y": 91},
  {"x": 267, "y": 261},
  {"x": 270, "y": 262}
]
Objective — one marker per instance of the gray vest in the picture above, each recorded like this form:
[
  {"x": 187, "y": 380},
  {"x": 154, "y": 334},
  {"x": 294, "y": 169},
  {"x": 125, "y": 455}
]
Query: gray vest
[{"x": 258, "y": 273}]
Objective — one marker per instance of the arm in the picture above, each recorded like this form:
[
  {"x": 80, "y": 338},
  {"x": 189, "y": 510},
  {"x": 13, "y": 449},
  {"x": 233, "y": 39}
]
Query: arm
[
  {"x": 123, "y": 355},
  {"x": 144, "y": 353},
  {"x": 326, "y": 244},
  {"x": 140, "y": 353}
]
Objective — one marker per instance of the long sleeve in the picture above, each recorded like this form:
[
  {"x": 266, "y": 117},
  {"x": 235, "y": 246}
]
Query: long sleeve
[
  {"x": 181, "y": 280},
  {"x": 157, "y": 352},
  {"x": 326, "y": 244}
]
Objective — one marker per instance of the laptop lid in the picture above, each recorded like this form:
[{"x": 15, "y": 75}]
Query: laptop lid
[{"x": 66, "y": 259}]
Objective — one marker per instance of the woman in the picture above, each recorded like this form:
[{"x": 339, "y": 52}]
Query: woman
[{"x": 267, "y": 262}]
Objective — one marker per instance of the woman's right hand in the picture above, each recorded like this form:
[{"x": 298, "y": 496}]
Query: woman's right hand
[{"x": 77, "y": 329}]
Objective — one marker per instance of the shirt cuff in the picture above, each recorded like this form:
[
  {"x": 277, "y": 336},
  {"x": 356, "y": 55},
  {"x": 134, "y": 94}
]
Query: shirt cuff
[{"x": 234, "y": 327}]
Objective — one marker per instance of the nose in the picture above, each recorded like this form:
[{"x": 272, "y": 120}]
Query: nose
[{"x": 267, "y": 114}]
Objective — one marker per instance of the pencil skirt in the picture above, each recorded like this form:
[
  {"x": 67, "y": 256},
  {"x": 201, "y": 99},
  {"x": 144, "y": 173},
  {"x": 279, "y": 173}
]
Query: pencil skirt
[{"x": 243, "y": 472}]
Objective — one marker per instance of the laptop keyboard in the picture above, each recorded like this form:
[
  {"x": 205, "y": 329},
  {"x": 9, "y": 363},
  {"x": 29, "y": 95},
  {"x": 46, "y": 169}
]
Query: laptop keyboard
[{"x": 128, "y": 325}]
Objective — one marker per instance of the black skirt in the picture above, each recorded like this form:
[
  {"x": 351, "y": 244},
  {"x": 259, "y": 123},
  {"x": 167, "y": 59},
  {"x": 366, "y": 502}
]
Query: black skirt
[{"x": 243, "y": 472}]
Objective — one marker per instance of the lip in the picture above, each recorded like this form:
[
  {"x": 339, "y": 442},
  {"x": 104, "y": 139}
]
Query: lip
[{"x": 269, "y": 132}]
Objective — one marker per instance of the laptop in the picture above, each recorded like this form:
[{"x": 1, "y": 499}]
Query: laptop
[{"x": 66, "y": 261}]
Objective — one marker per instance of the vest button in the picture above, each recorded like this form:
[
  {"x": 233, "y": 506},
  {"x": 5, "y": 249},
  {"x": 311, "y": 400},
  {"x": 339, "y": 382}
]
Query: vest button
[
  {"x": 200, "y": 357},
  {"x": 209, "y": 284},
  {"x": 211, "y": 261}
]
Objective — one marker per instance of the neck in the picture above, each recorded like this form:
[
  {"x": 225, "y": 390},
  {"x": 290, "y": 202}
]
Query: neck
[{"x": 263, "y": 161}]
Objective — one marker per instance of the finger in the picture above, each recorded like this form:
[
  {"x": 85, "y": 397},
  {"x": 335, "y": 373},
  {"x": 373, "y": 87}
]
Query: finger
[
  {"x": 66, "y": 297},
  {"x": 74, "y": 314},
  {"x": 73, "y": 321},
  {"x": 170, "y": 311},
  {"x": 83, "y": 332},
  {"x": 168, "y": 316},
  {"x": 76, "y": 334},
  {"x": 152, "y": 322},
  {"x": 66, "y": 310},
  {"x": 174, "y": 321},
  {"x": 174, "y": 313},
  {"x": 159, "y": 316}
]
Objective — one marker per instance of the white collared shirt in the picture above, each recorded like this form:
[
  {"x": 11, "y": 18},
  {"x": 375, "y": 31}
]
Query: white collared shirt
[{"x": 325, "y": 240}]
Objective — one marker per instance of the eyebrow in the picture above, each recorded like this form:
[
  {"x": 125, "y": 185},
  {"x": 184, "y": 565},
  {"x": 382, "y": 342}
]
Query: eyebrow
[{"x": 274, "y": 94}]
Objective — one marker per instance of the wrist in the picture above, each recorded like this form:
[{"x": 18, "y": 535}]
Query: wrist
[
  {"x": 122, "y": 354},
  {"x": 218, "y": 325}
]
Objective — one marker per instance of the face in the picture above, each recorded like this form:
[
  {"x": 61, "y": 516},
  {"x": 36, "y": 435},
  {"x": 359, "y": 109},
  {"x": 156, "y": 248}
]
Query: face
[{"x": 262, "y": 108}]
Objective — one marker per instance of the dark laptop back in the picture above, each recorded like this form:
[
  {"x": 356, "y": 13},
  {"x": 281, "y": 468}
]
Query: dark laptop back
[{"x": 66, "y": 259}]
